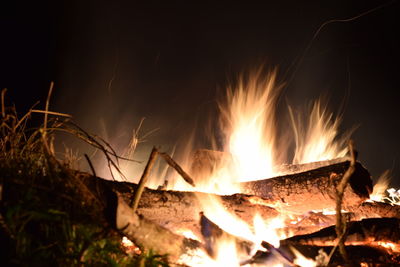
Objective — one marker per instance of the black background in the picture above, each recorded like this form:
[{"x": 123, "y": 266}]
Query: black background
[{"x": 114, "y": 62}]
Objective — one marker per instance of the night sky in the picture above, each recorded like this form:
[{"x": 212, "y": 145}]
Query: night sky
[{"x": 114, "y": 62}]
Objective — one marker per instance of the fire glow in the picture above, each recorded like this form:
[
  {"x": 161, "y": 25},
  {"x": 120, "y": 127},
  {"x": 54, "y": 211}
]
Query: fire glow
[
  {"x": 248, "y": 117},
  {"x": 252, "y": 150}
]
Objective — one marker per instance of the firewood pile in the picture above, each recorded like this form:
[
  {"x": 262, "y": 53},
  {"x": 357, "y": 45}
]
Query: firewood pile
[{"x": 364, "y": 233}]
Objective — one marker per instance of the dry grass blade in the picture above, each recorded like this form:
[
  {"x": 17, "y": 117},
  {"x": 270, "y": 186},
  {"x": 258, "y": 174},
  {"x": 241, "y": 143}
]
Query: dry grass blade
[
  {"x": 47, "y": 108},
  {"x": 3, "y": 108},
  {"x": 95, "y": 141},
  {"x": 46, "y": 112}
]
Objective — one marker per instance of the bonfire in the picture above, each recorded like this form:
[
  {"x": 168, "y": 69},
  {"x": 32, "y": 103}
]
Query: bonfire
[{"x": 241, "y": 203}]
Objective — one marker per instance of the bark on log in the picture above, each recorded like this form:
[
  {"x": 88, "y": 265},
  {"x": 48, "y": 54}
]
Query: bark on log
[
  {"x": 312, "y": 190},
  {"x": 179, "y": 211},
  {"x": 375, "y": 210},
  {"x": 150, "y": 235},
  {"x": 370, "y": 256},
  {"x": 314, "y": 221},
  {"x": 372, "y": 232}
]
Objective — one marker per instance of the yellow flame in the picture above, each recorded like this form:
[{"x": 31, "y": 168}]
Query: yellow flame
[
  {"x": 248, "y": 121},
  {"x": 250, "y": 130},
  {"x": 268, "y": 230},
  {"x": 317, "y": 141}
]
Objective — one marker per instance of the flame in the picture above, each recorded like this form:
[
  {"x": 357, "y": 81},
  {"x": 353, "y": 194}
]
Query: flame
[
  {"x": 214, "y": 210},
  {"x": 250, "y": 138},
  {"x": 379, "y": 190},
  {"x": 318, "y": 141},
  {"x": 250, "y": 131},
  {"x": 394, "y": 196},
  {"x": 268, "y": 230},
  {"x": 302, "y": 261}
]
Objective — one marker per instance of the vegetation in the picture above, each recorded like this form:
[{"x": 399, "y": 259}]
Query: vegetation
[{"x": 47, "y": 215}]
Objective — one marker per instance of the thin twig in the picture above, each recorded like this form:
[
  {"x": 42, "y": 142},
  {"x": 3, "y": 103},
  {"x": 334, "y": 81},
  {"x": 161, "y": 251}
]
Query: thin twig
[
  {"x": 143, "y": 179},
  {"x": 178, "y": 168},
  {"x": 340, "y": 220}
]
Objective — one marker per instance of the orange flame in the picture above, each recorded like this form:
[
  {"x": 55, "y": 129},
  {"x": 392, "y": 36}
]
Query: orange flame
[{"x": 250, "y": 138}]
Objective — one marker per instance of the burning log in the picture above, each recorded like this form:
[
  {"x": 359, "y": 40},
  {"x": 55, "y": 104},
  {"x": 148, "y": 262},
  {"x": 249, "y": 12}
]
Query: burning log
[
  {"x": 312, "y": 190},
  {"x": 205, "y": 161},
  {"x": 367, "y": 232},
  {"x": 180, "y": 210},
  {"x": 376, "y": 210},
  {"x": 303, "y": 187},
  {"x": 366, "y": 255},
  {"x": 150, "y": 235}
]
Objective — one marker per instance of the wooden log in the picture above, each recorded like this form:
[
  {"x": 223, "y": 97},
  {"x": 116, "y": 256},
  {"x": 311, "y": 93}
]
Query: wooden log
[
  {"x": 367, "y": 255},
  {"x": 300, "y": 188},
  {"x": 179, "y": 211},
  {"x": 375, "y": 210},
  {"x": 312, "y": 190},
  {"x": 368, "y": 232},
  {"x": 150, "y": 235},
  {"x": 313, "y": 221}
]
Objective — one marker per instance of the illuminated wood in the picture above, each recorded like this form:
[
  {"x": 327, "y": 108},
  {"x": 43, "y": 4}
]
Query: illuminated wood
[{"x": 312, "y": 190}]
